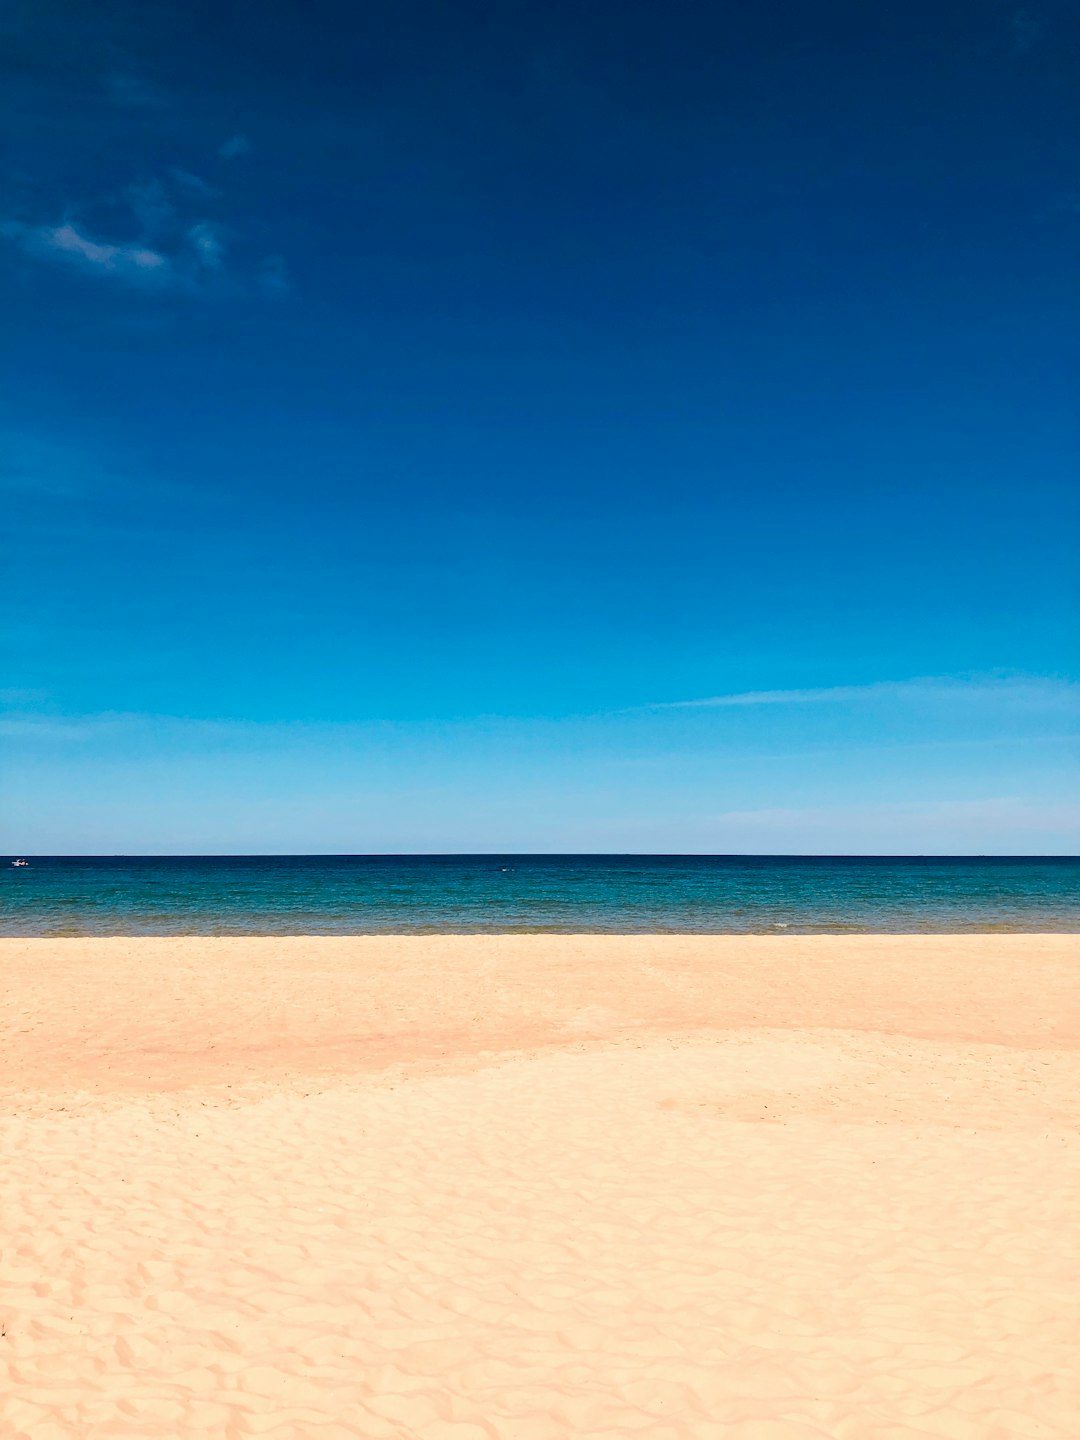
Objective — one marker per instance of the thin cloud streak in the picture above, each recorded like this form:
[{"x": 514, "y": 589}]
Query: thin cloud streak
[
  {"x": 1040, "y": 695},
  {"x": 137, "y": 264},
  {"x": 111, "y": 257},
  {"x": 28, "y": 725},
  {"x": 178, "y": 246},
  {"x": 930, "y": 688},
  {"x": 194, "y": 262}
]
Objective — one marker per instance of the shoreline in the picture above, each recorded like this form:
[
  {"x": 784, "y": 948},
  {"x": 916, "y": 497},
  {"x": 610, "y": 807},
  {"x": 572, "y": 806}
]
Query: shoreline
[{"x": 777, "y": 932}]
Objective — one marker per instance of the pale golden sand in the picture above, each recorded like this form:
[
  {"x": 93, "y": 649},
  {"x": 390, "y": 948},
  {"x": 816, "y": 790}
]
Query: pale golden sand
[{"x": 532, "y": 1187}]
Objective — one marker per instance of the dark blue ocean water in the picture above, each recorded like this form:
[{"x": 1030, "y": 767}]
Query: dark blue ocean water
[{"x": 353, "y": 894}]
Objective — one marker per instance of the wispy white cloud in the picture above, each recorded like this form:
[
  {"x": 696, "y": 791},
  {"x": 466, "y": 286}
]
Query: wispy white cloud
[
  {"x": 1035, "y": 698},
  {"x": 1001, "y": 824},
  {"x": 70, "y": 241},
  {"x": 35, "y": 726},
  {"x": 177, "y": 247},
  {"x": 207, "y": 243},
  {"x": 1021, "y": 688},
  {"x": 979, "y": 809},
  {"x": 66, "y": 243},
  {"x": 82, "y": 782},
  {"x": 234, "y": 147},
  {"x": 47, "y": 728}
]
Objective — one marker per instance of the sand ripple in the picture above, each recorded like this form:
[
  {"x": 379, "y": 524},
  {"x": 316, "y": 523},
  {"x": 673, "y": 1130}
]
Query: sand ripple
[{"x": 620, "y": 1241}]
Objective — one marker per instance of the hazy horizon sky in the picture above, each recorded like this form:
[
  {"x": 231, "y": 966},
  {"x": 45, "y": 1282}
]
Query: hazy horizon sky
[{"x": 515, "y": 427}]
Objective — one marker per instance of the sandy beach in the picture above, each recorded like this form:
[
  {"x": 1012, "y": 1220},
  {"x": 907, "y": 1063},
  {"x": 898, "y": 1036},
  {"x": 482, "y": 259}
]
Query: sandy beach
[{"x": 531, "y": 1187}]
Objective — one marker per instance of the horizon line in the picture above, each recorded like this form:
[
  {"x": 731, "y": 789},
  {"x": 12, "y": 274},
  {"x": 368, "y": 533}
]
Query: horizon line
[{"x": 545, "y": 855}]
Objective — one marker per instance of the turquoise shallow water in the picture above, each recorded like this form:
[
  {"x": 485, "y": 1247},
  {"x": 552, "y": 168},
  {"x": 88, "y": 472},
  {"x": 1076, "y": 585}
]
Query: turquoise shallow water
[{"x": 350, "y": 895}]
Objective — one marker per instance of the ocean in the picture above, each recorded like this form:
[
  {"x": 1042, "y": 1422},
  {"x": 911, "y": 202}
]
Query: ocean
[{"x": 423, "y": 894}]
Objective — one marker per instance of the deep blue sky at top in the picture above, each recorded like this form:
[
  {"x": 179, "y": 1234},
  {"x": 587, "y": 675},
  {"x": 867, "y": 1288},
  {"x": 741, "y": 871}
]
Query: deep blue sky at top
[{"x": 410, "y": 361}]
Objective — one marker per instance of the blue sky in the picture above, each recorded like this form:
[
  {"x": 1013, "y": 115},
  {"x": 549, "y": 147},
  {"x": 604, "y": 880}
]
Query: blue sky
[{"x": 416, "y": 418}]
